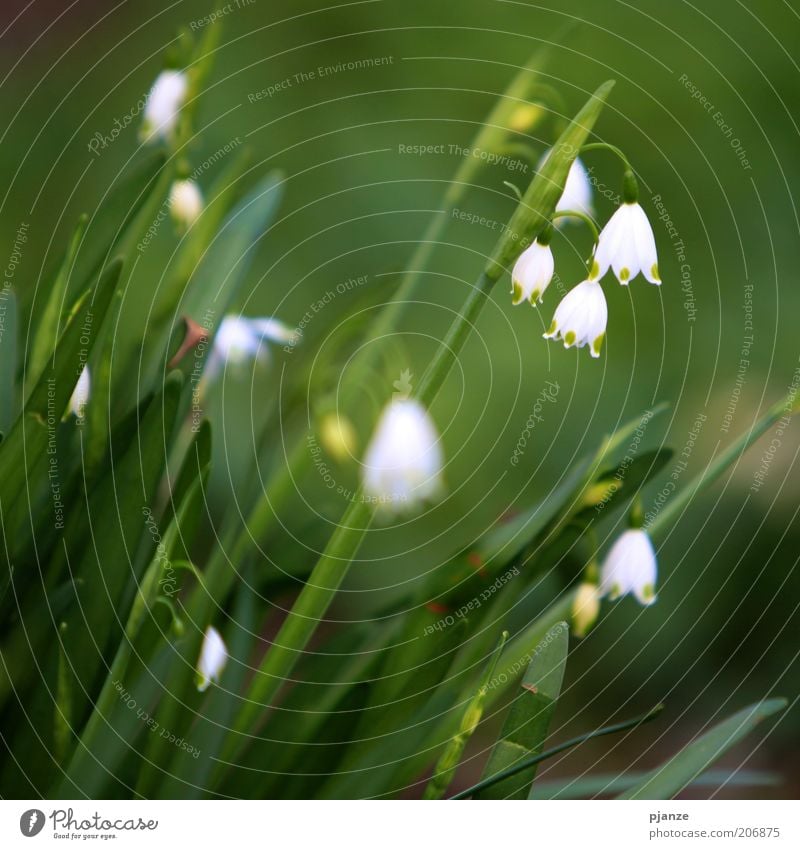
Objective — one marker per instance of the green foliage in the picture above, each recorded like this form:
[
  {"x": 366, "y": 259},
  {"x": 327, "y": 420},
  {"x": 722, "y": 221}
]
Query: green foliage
[
  {"x": 667, "y": 780},
  {"x": 528, "y": 722},
  {"x": 115, "y": 566}
]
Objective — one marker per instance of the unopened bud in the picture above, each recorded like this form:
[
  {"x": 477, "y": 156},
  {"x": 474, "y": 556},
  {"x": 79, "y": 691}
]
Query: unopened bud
[
  {"x": 585, "y": 608},
  {"x": 338, "y": 437}
]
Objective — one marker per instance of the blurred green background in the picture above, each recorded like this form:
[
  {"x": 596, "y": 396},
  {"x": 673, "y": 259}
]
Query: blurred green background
[{"x": 704, "y": 107}]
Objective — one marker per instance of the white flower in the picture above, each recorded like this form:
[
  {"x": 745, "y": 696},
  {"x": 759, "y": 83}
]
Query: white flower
[
  {"x": 164, "y": 105},
  {"x": 213, "y": 657},
  {"x": 577, "y": 194},
  {"x": 580, "y": 319},
  {"x": 185, "y": 202},
  {"x": 532, "y": 274},
  {"x": 239, "y": 340},
  {"x": 630, "y": 567},
  {"x": 80, "y": 395},
  {"x": 403, "y": 462},
  {"x": 627, "y": 245}
]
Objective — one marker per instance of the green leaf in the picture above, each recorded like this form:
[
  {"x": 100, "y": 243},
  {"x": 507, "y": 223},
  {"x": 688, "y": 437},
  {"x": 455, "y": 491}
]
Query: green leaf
[
  {"x": 617, "y": 485},
  {"x": 189, "y": 774},
  {"x": 299, "y": 731},
  {"x": 219, "y": 201},
  {"x": 8, "y": 358},
  {"x": 539, "y": 201},
  {"x": 112, "y": 727},
  {"x": 106, "y": 567},
  {"x": 48, "y": 324},
  {"x": 111, "y": 221},
  {"x": 432, "y": 727},
  {"x": 666, "y": 781},
  {"x": 215, "y": 283},
  {"x": 446, "y": 767},
  {"x": 24, "y": 450},
  {"x": 523, "y": 765},
  {"x": 62, "y": 719},
  {"x": 528, "y": 722},
  {"x": 609, "y": 783}
]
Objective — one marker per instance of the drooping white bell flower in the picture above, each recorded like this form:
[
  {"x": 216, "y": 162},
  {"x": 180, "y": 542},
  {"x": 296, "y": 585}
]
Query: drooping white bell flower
[
  {"x": 185, "y": 202},
  {"x": 212, "y": 660},
  {"x": 403, "y": 462},
  {"x": 532, "y": 274},
  {"x": 630, "y": 567},
  {"x": 627, "y": 245},
  {"x": 580, "y": 319},
  {"x": 239, "y": 340},
  {"x": 577, "y": 194},
  {"x": 80, "y": 395},
  {"x": 164, "y": 104}
]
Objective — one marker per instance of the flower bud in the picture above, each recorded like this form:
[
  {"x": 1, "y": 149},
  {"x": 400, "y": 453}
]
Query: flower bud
[
  {"x": 185, "y": 203},
  {"x": 80, "y": 395},
  {"x": 585, "y": 608},
  {"x": 213, "y": 657},
  {"x": 338, "y": 436},
  {"x": 164, "y": 104}
]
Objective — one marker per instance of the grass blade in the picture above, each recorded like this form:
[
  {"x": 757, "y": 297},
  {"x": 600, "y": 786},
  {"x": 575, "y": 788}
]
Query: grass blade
[
  {"x": 48, "y": 325},
  {"x": 447, "y": 764},
  {"x": 8, "y": 358},
  {"x": 528, "y": 722},
  {"x": 561, "y": 747},
  {"x": 609, "y": 784},
  {"x": 666, "y": 781}
]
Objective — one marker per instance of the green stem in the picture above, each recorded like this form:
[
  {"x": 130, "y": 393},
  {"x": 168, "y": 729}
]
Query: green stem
[
  {"x": 611, "y": 148},
  {"x": 451, "y": 345},
  {"x": 562, "y": 747},
  {"x": 573, "y": 213}
]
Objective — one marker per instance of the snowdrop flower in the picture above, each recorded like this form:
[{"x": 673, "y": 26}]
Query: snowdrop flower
[
  {"x": 580, "y": 319},
  {"x": 239, "y": 340},
  {"x": 185, "y": 202},
  {"x": 626, "y": 243},
  {"x": 164, "y": 104},
  {"x": 403, "y": 462},
  {"x": 630, "y": 567},
  {"x": 532, "y": 273},
  {"x": 213, "y": 657},
  {"x": 80, "y": 395},
  {"x": 585, "y": 608},
  {"x": 577, "y": 194}
]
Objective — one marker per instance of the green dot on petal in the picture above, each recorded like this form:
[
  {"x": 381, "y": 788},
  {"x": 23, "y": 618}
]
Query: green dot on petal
[
  {"x": 654, "y": 272},
  {"x": 569, "y": 339},
  {"x": 624, "y": 273},
  {"x": 552, "y": 328},
  {"x": 598, "y": 343},
  {"x": 534, "y": 297},
  {"x": 517, "y": 295}
]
